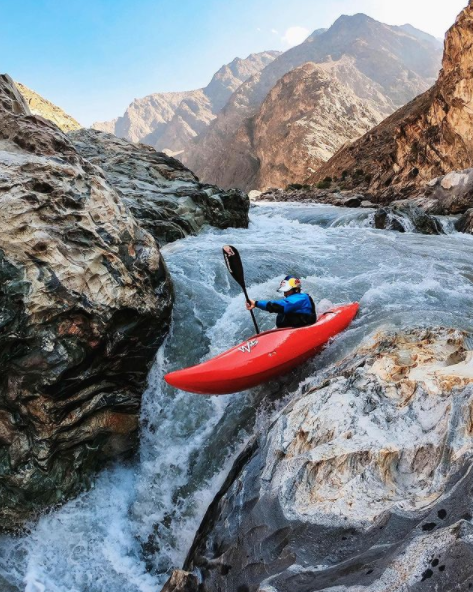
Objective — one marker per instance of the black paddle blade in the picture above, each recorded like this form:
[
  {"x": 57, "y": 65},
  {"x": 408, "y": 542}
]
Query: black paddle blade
[{"x": 234, "y": 264}]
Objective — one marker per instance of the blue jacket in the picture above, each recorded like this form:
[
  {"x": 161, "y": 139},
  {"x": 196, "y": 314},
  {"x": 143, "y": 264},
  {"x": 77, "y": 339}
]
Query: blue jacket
[{"x": 295, "y": 310}]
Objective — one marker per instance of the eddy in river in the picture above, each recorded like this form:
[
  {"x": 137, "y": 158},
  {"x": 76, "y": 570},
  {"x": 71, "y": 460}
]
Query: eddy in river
[{"x": 295, "y": 310}]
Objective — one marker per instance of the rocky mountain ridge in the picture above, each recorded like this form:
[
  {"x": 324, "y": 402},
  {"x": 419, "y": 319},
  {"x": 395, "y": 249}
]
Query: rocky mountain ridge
[
  {"x": 429, "y": 137},
  {"x": 397, "y": 62},
  {"x": 168, "y": 121},
  {"x": 38, "y": 105}
]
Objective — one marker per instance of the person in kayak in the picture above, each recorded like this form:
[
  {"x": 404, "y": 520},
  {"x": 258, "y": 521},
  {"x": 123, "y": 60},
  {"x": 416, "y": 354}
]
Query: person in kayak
[{"x": 295, "y": 310}]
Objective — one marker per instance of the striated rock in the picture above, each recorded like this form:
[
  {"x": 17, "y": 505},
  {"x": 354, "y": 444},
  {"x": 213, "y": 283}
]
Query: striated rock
[
  {"x": 363, "y": 482},
  {"x": 40, "y": 106},
  {"x": 169, "y": 121},
  {"x": 429, "y": 137},
  {"x": 162, "y": 194},
  {"x": 407, "y": 217},
  {"x": 85, "y": 301},
  {"x": 303, "y": 121},
  {"x": 383, "y": 66}
]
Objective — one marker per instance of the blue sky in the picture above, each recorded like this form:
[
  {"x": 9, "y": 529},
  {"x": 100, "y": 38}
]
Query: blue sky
[{"x": 93, "y": 57}]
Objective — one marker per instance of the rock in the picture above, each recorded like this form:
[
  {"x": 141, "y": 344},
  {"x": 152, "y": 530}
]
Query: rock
[
  {"x": 254, "y": 195},
  {"x": 162, "y": 194},
  {"x": 181, "y": 581},
  {"x": 453, "y": 193},
  {"x": 429, "y": 137},
  {"x": 367, "y": 204},
  {"x": 465, "y": 223},
  {"x": 384, "y": 66},
  {"x": 85, "y": 301},
  {"x": 40, "y": 106},
  {"x": 352, "y": 201},
  {"x": 363, "y": 482},
  {"x": 406, "y": 217}
]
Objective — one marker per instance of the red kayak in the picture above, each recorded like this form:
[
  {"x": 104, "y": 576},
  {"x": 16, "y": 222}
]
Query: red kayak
[{"x": 263, "y": 357}]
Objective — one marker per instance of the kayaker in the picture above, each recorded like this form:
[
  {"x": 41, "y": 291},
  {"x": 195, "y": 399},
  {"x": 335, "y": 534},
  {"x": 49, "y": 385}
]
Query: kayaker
[{"x": 295, "y": 310}]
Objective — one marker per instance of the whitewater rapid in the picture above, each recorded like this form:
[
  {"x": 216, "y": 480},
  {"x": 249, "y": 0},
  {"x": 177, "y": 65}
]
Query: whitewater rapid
[{"x": 139, "y": 519}]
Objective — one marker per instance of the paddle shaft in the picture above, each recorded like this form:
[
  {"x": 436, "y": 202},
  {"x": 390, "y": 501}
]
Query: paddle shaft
[{"x": 251, "y": 312}]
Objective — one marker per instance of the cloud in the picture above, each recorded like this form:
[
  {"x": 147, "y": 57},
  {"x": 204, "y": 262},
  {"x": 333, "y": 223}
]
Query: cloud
[
  {"x": 275, "y": 31},
  {"x": 295, "y": 35}
]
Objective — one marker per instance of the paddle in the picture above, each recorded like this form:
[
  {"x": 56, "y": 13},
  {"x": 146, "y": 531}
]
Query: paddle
[{"x": 235, "y": 267}]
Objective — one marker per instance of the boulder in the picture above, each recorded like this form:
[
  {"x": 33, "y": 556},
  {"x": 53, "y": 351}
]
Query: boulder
[
  {"x": 465, "y": 222},
  {"x": 407, "y": 217},
  {"x": 453, "y": 193},
  {"x": 85, "y": 301},
  {"x": 162, "y": 194},
  {"x": 363, "y": 482}
]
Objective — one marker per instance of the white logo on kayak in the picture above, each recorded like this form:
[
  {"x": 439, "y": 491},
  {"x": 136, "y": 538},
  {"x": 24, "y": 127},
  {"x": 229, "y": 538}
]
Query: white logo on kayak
[{"x": 248, "y": 346}]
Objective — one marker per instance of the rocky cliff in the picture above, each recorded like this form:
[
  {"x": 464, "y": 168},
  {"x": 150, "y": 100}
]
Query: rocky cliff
[
  {"x": 363, "y": 482},
  {"x": 85, "y": 301},
  {"x": 41, "y": 106},
  {"x": 392, "y": 65},
  {"x": 305, "y": 119},
  {"x": 165, "y": 197},
  {"x": 168, "y": 121},
  {"x": 429, "y": 137}
]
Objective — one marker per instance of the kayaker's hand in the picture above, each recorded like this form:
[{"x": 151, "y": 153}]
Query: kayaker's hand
[{"x": 250, "y": 305}]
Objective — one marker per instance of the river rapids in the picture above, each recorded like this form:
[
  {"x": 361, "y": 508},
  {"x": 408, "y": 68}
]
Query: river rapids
[{"x": 137, "y": 523}]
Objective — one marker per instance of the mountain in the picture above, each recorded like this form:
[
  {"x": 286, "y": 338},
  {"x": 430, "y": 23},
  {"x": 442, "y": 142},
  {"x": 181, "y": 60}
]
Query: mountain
[
  {"x": 40, "y": 106},
  {"x": 168, "y": 121},
  {"x": 429, "y": 137},
  {"x": 398, "y": 63},
  {"x": 312, "y": 114}
]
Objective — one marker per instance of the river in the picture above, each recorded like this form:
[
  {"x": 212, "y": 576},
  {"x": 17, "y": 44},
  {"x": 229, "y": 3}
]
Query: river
[{"x": 138, "y": 521}]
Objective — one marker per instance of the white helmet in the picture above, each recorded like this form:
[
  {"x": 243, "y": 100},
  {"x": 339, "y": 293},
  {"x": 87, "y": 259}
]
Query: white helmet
[{"x": 290, "y": 283}]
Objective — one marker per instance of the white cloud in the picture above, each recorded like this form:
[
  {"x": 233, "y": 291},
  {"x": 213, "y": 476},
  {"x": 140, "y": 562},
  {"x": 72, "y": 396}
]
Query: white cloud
[
  {"x": 295, "y": 35},
  {"x": 275, "y": 31}
]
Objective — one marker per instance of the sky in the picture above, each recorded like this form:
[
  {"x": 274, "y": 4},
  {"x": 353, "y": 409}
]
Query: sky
[{"x": 93, "y": 57}]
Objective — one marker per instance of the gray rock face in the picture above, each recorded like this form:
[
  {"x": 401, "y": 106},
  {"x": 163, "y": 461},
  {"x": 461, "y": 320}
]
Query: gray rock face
[
  {"x": 407, "y": 217},
  {"x": 363, "y": 482},
  {"x": 85, "y": 301},
  {"x": 162, "y": 194}
]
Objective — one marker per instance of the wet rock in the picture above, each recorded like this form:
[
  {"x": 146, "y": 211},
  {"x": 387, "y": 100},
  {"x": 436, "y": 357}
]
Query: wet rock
[
  {"x": 406, "y": 217},
  {"x": 162, "y": 194},
  {"x": 85, "y": 301},
  {"x": 465, "y": 223},
  {"x": 364, "y": 481}
]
